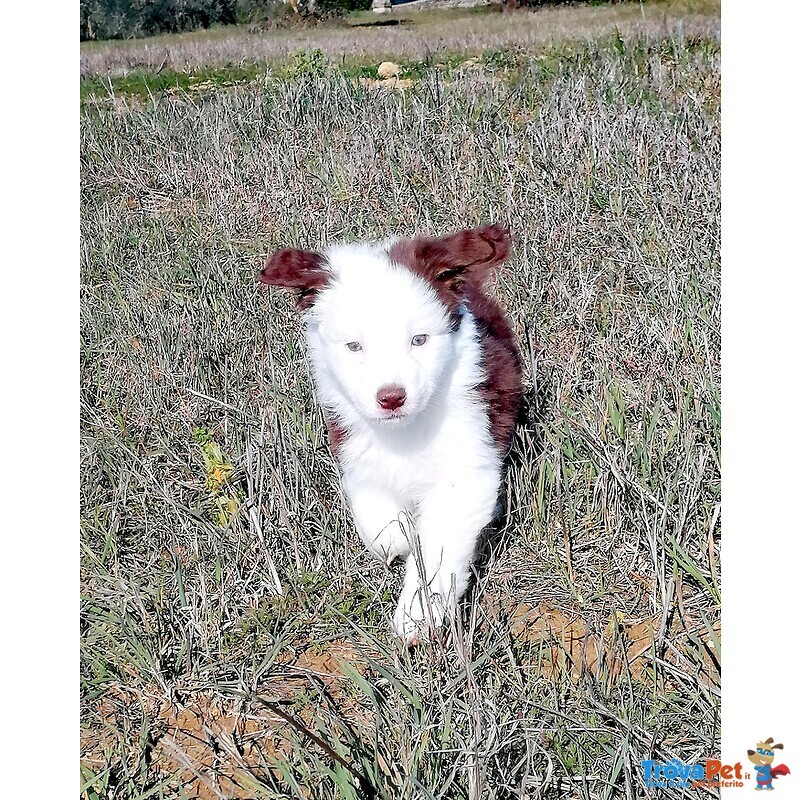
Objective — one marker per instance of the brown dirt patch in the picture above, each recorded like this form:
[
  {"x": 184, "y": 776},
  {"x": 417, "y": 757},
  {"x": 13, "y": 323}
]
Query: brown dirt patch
[{"x": 214, "y": 746}]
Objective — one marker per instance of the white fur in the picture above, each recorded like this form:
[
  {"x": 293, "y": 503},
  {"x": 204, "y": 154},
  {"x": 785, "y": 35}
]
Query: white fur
[{"x": 432, "y": 476}]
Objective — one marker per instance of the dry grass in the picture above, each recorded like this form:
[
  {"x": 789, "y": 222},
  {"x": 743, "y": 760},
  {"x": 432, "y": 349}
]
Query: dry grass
[{"x": 235, "y": 634}]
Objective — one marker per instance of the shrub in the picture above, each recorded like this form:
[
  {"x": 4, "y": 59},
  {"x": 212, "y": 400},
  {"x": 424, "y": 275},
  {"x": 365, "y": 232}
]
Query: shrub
[{"x": 125, "y": 19}]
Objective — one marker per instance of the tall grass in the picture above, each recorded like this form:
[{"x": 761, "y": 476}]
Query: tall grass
[{"x": 235, "y": 634}]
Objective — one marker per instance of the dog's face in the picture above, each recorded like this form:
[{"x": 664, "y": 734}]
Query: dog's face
[
  {"x": 765, "y": 752},
  {"x": 381, "y": 318},
  {"x": 381, "y": 339}
]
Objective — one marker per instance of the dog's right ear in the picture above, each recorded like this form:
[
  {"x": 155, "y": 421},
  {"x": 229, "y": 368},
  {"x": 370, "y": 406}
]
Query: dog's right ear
[{"x": 303, "y": 270}]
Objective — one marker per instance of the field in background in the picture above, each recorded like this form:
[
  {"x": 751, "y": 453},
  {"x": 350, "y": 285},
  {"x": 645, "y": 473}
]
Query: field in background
[
  {"x": 235, "y": 635},
  {"x": 364, "y": 38}
]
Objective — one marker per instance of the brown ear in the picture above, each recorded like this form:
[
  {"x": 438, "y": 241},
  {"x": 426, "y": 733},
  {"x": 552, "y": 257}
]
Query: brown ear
[
  {"x": 476, "y": 251},
  {"x": 466, "y": 257},
  {"x": 303, "y": 270}
]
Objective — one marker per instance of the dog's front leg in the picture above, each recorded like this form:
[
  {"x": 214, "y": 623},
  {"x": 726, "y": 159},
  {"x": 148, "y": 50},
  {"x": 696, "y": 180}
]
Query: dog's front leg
[
  {"x": 380, "y": 521},
  {"x": 449, "y": 525}
]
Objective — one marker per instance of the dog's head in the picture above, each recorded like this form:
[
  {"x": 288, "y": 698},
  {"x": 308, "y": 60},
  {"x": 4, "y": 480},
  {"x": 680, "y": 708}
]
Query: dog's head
[
  {"x": 381, "y": 318},
  {"x": 764, "y": 752}
]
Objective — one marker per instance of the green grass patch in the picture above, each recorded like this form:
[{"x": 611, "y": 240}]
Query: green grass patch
[
  {"x": 146, "y": 84},
  {"x": 538, "y": 66}
]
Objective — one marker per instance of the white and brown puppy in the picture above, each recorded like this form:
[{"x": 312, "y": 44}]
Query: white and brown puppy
[{"x": 418, "y": 375}]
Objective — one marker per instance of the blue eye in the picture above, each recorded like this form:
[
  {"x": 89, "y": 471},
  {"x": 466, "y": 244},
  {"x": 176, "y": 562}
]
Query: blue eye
[
  {"x": 354, "y": 347},
  {"x": 419, "y": 339}
]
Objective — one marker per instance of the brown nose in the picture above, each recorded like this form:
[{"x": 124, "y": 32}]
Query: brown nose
[{"x": 391, "y": 397}]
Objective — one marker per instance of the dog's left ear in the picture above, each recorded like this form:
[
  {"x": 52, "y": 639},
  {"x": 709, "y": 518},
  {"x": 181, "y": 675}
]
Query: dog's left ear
[
  {"x": 468, "y": 256},
  {"x": 474, "y": 252},
  {"x": 303, "y": 270}
]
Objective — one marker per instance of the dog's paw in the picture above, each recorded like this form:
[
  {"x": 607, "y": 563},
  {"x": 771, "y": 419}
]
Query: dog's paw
[
  {"x": 388, "y": 546},
  {"x": 397, "y": 551},
  {"x": 417, "y": 616}
]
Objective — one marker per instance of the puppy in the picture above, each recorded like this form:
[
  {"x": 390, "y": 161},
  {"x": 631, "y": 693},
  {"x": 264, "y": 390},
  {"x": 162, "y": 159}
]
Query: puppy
[{"x": 419, "y": 378}]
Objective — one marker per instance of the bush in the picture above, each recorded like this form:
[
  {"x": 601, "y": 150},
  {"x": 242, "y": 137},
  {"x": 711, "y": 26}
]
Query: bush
[
  {"x": 267, "y": 11},
  {"x": 261, "y": 11},
  {"x": 334, "y": 7},
  {"x": 125, "y": 19}
]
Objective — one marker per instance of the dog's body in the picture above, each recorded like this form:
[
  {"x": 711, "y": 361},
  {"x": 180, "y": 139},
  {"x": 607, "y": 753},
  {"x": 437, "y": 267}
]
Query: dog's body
[{"x": 419, "y": 378}]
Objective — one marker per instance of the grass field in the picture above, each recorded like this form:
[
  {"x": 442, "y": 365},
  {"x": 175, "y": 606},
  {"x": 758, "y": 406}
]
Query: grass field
[{"x": 235, "y": 635}]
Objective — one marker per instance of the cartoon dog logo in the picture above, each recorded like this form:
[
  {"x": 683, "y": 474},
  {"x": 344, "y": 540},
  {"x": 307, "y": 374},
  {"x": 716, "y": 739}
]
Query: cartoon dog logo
[{"x": 762, "y": 757}]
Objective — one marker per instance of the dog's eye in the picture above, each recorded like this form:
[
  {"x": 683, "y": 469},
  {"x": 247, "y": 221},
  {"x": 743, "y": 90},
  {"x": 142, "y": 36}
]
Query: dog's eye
[
  {"x": 354, "y": 346},
  {"x": 419, "y": 339}
]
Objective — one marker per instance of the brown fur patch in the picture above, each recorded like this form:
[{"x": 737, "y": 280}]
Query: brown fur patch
[
  {"x": 453, "y": 262},
  {"x": 336, "y": 434},
  {"x": 502, "y": 389},
  {"x": 457, "y": 267},
  {"x": 302, "y": 270}
]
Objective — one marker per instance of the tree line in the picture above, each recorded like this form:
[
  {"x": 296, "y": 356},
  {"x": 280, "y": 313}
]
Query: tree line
[{"x": 127, "y": 19}]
